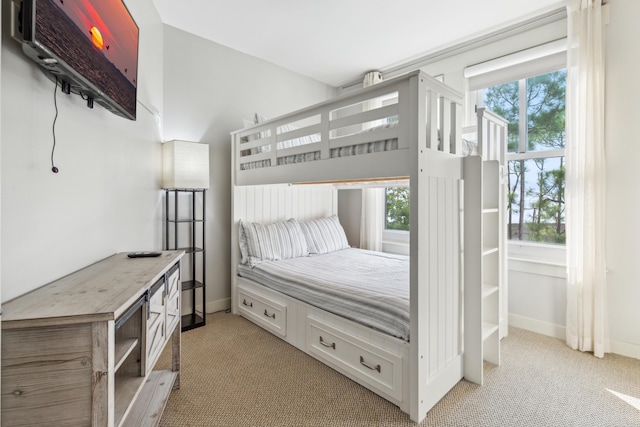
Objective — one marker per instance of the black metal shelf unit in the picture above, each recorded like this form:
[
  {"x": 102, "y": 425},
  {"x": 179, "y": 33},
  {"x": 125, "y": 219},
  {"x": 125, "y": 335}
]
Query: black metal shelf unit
[{"x": 179, "y": 220}]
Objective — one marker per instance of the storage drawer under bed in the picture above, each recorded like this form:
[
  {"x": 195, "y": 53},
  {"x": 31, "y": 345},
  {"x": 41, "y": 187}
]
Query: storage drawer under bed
[
  {"x": 373, "y": 365},
  {"x": 268, "y": 313}
]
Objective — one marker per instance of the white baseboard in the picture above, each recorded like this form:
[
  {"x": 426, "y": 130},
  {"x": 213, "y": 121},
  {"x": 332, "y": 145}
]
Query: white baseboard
[
  {"x": 625, "y": 349},
  {"x": 557, "y": 331},
  {"x": 538, "y": 326},
  {"x": 218, "y": 305},
  {"x": 215, "y": 306}
]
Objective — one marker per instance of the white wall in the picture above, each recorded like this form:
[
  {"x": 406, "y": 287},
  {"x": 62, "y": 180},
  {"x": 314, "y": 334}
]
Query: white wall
[
  {"x": 537, "y": 287},
  {"x": 623, "y": 174},
  {"x": 349, "y": 213},
  {"x": 208, "y": 90},
  {"x": 106, "y": 197}
]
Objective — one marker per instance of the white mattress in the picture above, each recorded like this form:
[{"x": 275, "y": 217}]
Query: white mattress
[{"x": 370, "y": 288}]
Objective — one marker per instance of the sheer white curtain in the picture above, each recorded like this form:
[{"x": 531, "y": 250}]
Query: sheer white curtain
[
  {"x": 587, "y": 324},
  {"x": 372, "y": 218}
]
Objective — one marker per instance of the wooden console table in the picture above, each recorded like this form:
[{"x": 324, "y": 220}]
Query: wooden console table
[{"x": 80, "y": 351}]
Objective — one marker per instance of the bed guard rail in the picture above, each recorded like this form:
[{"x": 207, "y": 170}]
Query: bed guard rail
[{"x": 388, "y": 115}]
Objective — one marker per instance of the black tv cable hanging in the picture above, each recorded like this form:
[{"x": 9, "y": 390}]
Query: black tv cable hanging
[{"x": 54, "y": 168}]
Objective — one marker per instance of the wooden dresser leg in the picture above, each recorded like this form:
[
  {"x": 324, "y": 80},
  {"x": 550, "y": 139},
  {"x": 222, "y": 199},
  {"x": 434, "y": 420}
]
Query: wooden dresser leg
[
  {"x": 102, "y": 378},
  {"x": 175, "y": 351}
]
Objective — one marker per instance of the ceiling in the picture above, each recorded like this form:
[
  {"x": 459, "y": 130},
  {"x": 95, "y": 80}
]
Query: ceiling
[{"x": 337, "y": 41}]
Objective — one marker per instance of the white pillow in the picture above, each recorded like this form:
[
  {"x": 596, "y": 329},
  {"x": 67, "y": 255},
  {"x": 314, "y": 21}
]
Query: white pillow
[
  {"x": 244, "y": 247},
  {"x": 270, "y": 242},
  {"x": 324, "y": 235}
]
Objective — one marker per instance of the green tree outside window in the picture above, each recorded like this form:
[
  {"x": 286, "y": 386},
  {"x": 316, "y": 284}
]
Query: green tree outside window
[
  {"x": 536, "y": 181},
  {"x": 397, "y": 208}
]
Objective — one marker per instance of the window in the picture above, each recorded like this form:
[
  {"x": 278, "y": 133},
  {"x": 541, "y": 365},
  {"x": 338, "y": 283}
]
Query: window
[
  {"x": 536, "y": 178},
  {"x": 396, "y": 208}
]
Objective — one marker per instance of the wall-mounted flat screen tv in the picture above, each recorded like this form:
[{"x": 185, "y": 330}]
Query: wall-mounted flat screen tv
[{"x": 89, "y": 46}]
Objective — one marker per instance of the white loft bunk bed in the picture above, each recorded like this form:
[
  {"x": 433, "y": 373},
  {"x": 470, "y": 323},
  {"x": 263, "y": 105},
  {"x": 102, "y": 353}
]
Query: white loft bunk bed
[{"x": 419, "y": 121}]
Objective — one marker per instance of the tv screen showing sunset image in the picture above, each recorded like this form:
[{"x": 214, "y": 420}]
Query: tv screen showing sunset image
[{"x": 98, "y": 39}]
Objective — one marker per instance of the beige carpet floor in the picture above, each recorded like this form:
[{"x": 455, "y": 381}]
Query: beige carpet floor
[{"x": 236, "y": 374}]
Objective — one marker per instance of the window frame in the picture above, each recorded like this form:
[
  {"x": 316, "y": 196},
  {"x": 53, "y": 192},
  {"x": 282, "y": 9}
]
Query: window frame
[
  {"x": 385, "y": 207},
  {"x": 524, "y": 255},
  {"x": 523, "y": 154},
  {"x": 395, "y": 241}
]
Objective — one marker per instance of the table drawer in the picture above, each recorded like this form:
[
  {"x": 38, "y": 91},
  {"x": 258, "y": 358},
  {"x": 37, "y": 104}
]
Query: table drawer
[
  {"x": 370, "y": 364},
  {"x": 271, "y": 314}
]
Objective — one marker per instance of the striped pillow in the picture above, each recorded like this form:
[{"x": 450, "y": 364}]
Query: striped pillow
[
  {"x": 324, "y": 235},
  {"x": 244, "y": 247},
  {"x": 269, "y": 242}
]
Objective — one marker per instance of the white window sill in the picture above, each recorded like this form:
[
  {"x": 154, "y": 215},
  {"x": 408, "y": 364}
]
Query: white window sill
[
  {"x": 537, "y": 258},
  {"x": 395, "y": 242},
  {"x": 395, "y": 236},
  {"x": 395, "y": 248}
]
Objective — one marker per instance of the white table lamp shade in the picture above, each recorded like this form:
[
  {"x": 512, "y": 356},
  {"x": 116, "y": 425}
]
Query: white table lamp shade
[{"x": 185, "y": 165}]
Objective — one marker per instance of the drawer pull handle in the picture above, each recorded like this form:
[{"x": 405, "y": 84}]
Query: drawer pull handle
[
  {"x": 332, "y": 345},
  {"x": 366, "y": 365},
  {"x": 269, "y": 315},
  {"x": 244, "y": 302}
]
